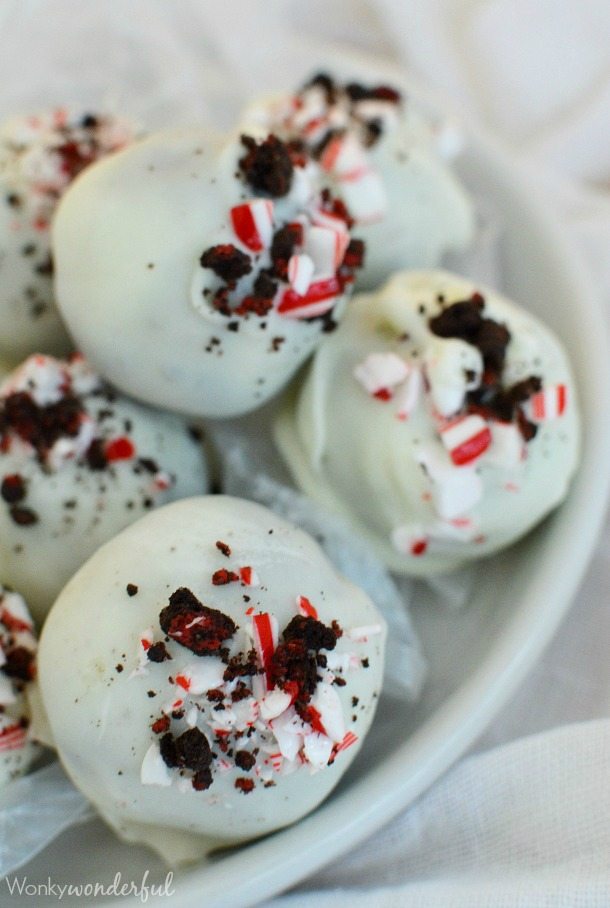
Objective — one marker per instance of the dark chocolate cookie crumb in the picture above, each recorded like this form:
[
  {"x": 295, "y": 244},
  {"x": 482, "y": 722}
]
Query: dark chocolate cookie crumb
[{"x": 267, "y": 165}]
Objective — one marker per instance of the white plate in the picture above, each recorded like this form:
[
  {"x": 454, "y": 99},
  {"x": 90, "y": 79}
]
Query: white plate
[{"x": 477, "y": 658}]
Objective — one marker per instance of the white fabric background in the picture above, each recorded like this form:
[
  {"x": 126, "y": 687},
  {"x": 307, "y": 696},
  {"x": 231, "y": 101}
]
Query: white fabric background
[{"x": 523, "y": 822}]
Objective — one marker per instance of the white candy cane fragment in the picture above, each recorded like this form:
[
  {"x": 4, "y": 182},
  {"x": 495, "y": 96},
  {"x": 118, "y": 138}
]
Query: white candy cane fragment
[
  {"x": 305, "y": 607},
  {"x": 274, "y": 703},
  {"x": 408, "y": 394},
  {"x": 154, "y": 770},
  {"x": 454, "y": 492},
  {"x": 550, "y": 403},
  {"x": 198, "y": 677},
  {"x": 366, "y": 198},
  {"x": 144, "y": 644},
  {"x": 466, "y": 438},
  {"x": 317, "y": 749},
  {"x": 361, "y": 634},
  {"x": 300, "y": 273},
  {"x": 265, "y": 630},
  {"x": 14, "y": 613},
  {"x": 326, "y": 704},
  {"x": 288, "y": 734},
  {"x": 380, "y": 373},
  {"x": 507, "y": 449},
  {"x": 253, "y": 223},
  {"x": 326, "y": 246}
]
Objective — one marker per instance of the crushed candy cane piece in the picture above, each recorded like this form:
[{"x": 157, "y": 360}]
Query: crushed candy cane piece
[
  {"x": 154, "y": 771},
  {"x": 265, "y": 641},
  {"x": 305, "y": 607},
  {"x": 249, "y": 577},
  {"x": 550, "y": 403},
  {"x": 300, "y": 273},
  {"x": 253, "y": 223},
  {"x": 381, "y": 372},
  {"x": 466, "y": 438}
]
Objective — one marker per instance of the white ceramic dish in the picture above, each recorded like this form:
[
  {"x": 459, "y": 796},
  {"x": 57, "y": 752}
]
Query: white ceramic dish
[{"x": 477, "y": 658}]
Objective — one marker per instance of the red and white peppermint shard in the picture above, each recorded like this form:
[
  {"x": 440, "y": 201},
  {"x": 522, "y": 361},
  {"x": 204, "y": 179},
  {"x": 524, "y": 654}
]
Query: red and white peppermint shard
[
  {"x": 253, "y": 223},
  {"x": 326, "y": 707},
  {"x": 300, "y": 273},
  {"x": 550, "y": 403},
  {"x": 345, "y": 157},
  {"x": 319, "y": 299},
  {"x": 380, "y": 373},
  {"x": 348, "y": 741},
  {"x": 249, "y": 577},
  {"x": 466, "y": 438},
  {"x": 265, "y": 630},
  {"x": 326, "y": 246},
  {"x": 306, "y": 608}
]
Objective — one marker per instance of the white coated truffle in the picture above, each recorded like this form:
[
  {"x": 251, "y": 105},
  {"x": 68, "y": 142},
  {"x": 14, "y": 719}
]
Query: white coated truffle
[
  {"x": 221, "y": 675},
  {"x": 220, "y": 259},
  {"x": 40, "y": 155},
  {"x": 77, "y": 464},
  {"x": 441, "y": 419},
  {"x": 386, "y": 162}
]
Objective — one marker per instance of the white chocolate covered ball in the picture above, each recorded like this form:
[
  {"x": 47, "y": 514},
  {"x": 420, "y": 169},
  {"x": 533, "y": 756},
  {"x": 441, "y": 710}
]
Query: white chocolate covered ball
[
  {"x": 221, "y": 675},
  {"x": 77, "y": 464},
  {"x": 40, "y": 155},
  {"x": 210, "y": 267},
  {"x": 17, "y": 672},
  {"x": 441, "y": 419},
  {"x": 388, "y": 165}
]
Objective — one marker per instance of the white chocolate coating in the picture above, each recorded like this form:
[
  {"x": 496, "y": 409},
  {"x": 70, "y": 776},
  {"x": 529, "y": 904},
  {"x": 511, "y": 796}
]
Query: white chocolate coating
[
  {"x": 101, "y": 718},
  {"x": 39, "y": 156},
  {"x": 128, "y": 239},
  {"x": 409, "y": 207},
  {"x": 386, "y": 461},
  {"x": 17, "y": 639},
  {"x": 77, "y": 508}
]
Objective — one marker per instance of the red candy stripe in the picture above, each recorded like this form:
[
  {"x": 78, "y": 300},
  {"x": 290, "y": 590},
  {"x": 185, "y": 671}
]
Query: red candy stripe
[
  {"x": 296, "y": 306},
  {"x": 264, "y": 642},
  {"x": 306, "y": 608},
  {"x": 119, "y": 449}
]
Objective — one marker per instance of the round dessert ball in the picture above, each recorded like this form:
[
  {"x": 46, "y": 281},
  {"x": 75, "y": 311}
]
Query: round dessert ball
[
  {"x": 441, "y": 419},
  {"x": 17, "y": 671},
  {"x": 40, "y": 155},
  {"x": 221, "y": 675},
  {"x": 221, "y": 259},
  {"x": 77, "y": 464},
  {"x": 385, "y": 162}
]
